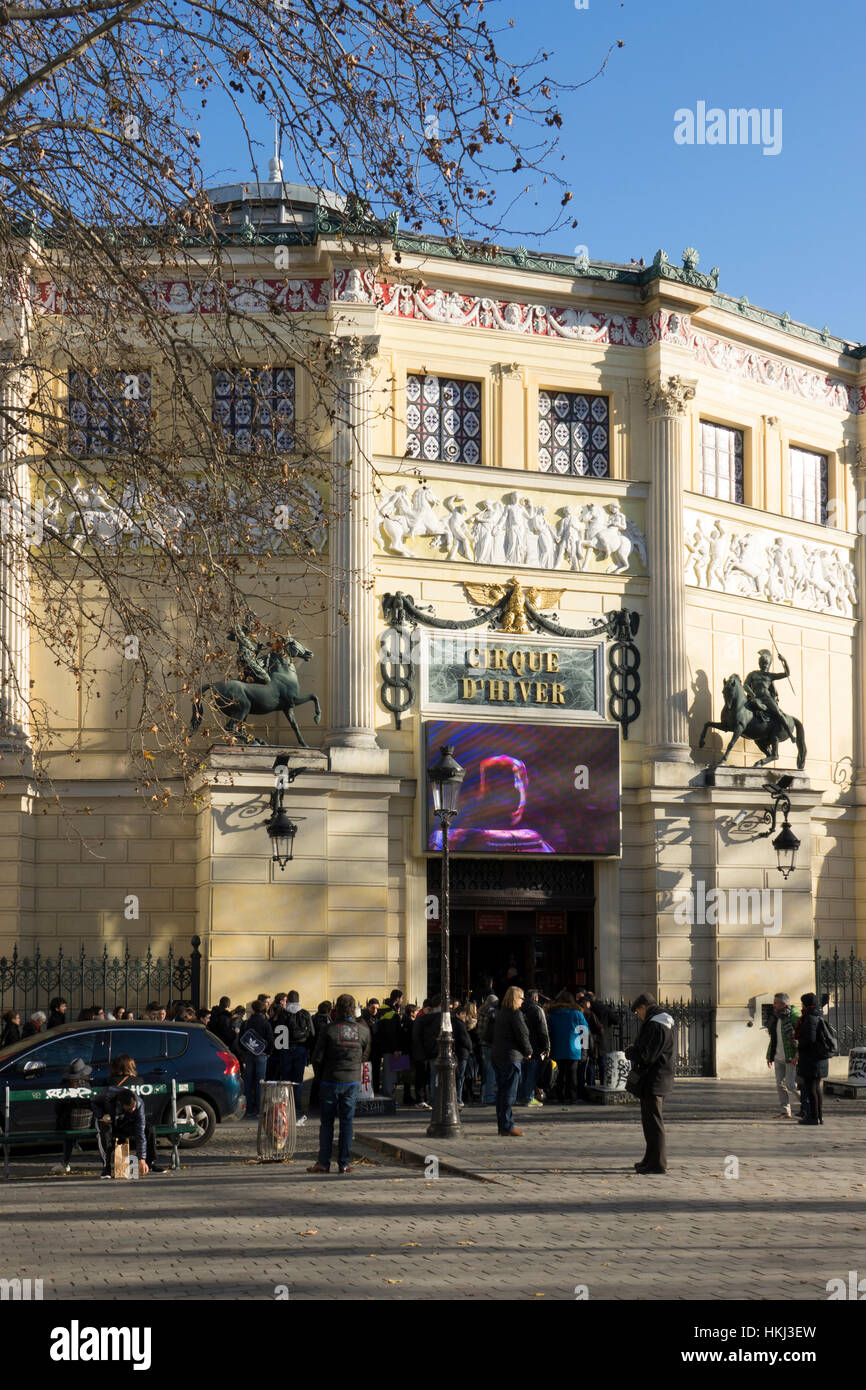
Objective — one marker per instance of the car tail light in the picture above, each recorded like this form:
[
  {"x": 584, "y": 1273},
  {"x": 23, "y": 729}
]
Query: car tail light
[{"x": 233, "y": 1066}]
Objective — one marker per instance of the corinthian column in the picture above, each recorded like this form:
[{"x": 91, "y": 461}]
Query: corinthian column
[
  {"x": 15, "y": 533},
  {"x": 857, "y": 456},
  {"x": 352, "y": 609},
  {"x": 667, "y": 400}
]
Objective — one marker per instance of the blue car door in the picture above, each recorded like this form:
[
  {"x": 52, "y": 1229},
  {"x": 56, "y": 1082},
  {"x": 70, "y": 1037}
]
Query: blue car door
[{"x": 43, "y": 1067}]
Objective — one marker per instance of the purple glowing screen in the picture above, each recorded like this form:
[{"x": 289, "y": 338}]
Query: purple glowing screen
[{"x": 529, "y": 788}]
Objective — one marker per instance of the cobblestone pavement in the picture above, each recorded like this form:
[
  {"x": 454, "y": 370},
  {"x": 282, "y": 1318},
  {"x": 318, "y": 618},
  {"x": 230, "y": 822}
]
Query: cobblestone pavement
[{"x": 558, "y": 1209}]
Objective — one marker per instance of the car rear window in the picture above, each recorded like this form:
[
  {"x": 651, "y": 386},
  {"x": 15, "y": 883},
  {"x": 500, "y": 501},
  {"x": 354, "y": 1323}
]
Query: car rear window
[{"x": 176, "y": 1043}]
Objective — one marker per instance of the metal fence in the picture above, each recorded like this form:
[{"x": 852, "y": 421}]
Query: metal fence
[
  {"x": 30, "y": 982},
  {"x": 840, "y": 983},
  {"x": 695, "y": 1033}
]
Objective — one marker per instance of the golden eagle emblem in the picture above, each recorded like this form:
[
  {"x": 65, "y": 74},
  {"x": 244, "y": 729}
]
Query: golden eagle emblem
[{"x": 514, "y": 619}]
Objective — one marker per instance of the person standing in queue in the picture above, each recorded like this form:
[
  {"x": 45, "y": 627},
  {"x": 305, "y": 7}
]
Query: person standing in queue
[
  {"x": 511, "y": 1048},
  {"x": 341, "y": 1048},
  {"x": 652, "y": 1056}
]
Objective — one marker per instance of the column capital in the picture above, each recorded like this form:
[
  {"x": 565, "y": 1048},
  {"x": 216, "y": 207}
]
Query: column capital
[
  {"x": 855, "y": 457},
  {"x": 669, "y": 397},
  {"x": 354, "y": 353}
]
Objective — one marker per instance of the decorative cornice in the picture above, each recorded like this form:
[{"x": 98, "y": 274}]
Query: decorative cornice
[{"x": 669, "y": 397}]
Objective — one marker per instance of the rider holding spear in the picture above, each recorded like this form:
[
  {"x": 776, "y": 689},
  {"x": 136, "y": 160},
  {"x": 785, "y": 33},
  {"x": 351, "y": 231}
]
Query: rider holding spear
[{"x": 763, "y": 696}]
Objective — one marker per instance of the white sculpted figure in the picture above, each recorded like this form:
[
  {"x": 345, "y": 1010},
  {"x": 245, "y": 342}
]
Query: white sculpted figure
[
  {"x": 396, "y": 517},
  {"x": 489, "y": 533},
  {"x": 608, "y": 541},
  {"x": 425, "y": 522},
  {"x": 545, "y": 539},
  {"x": 516, "y": 531},
  {"x": 747, "y": 560},
  {"x": 719, "y": 547},
  {"x": 457, "y": 535},
  {"x": 697, "y": 556},
  {"x": 569, "y": 537}
]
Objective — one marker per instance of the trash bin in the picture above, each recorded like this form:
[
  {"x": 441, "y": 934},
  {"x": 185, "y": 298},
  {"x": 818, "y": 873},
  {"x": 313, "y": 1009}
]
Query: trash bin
[
  {"x": 615, "y": 1067},
  {"x": 278, "y": 1130}
]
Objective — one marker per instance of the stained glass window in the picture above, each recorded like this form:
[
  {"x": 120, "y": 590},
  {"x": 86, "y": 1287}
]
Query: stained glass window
[
  {"x": 721, "y": 471},
  {"x": 256, "y": 408},
  {"x": 109, "y": 412},
  {"x": 574, "y": 433},
  {"x": 443, "y": 419},
  {"x": 807, "y": 485}
]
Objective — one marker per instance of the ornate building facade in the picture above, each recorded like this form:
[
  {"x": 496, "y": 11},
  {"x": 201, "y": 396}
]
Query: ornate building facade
[{"x": 573, "y": 500}]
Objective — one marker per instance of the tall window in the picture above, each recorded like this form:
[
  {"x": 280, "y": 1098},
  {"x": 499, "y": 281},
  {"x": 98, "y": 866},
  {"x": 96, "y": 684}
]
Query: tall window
[
  {"x": 256, "y": 408},
  {"x": 721, "y": 462},
  {"x": 574, "y": 433},
  {"x": 443, "y": 419},
  {"x": 109, "y": 412},
  {"x": 807, "y": 485}
]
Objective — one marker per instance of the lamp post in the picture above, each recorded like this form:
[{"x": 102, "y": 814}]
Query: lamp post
[
  {"x": 446, "y": 777},
  {"x": 786, "y": 843},
  {"x": 281, "y": 828}
]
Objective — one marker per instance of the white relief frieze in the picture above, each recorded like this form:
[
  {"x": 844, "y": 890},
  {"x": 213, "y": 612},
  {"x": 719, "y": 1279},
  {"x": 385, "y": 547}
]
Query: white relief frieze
[
  {"x": 509, "y": 529},
  {"x": 779, "y": 569},
  {"x": 78, "y": 513}
]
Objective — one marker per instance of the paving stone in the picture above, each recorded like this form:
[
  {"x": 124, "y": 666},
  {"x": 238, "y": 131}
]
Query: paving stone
[{"x": 561, "y": 1208}]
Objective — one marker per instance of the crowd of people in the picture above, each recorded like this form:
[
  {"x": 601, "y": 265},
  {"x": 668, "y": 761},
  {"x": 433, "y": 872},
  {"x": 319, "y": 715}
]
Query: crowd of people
[
  {"x": 522, "y": 1050},
  {"x": 58, "y": 1013}
]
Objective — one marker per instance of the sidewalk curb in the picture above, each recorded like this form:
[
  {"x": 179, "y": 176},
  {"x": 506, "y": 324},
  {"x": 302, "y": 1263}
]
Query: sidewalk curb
[{"x": 418, "y": 1160}]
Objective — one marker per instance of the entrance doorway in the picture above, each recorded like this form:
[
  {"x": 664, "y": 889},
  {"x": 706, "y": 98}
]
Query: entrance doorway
[{"x": 522, "y": 923}]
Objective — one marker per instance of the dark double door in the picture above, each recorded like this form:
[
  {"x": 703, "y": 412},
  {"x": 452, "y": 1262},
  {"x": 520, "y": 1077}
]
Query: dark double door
[{"x": 516, "y": 926}]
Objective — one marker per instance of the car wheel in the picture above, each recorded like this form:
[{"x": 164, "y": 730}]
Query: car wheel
[{"x": 203, "y": 1116}]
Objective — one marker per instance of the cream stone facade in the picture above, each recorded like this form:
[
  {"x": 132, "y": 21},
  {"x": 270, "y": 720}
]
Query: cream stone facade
[{"x": 712, "y": 580}]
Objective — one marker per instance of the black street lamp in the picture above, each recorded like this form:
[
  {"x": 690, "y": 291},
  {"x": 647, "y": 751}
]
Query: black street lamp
[
  {"x": 281, "y": 828},
  {"x": 446, "y": 777},
  {"x": 786, "y": 843}
]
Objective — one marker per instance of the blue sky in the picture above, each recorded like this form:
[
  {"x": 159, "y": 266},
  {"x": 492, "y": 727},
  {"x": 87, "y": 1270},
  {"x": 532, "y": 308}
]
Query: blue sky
[{"x": 786, "y": 230}]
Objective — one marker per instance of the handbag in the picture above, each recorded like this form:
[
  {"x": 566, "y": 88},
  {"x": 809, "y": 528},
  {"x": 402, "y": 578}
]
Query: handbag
[
  {"x": 633, "y": 1082},
  {"x": 253, "y": 1042}
]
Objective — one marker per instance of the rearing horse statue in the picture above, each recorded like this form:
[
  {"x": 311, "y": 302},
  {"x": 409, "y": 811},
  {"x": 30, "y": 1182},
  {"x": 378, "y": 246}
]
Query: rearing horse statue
[
  {"x": 237, "y": 700},
  {"x": 740, "y": 720}
]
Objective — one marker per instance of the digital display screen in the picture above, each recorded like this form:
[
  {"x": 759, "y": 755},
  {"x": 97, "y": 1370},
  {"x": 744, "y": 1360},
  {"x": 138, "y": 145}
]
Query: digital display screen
[{"x": 529, "y": 789}]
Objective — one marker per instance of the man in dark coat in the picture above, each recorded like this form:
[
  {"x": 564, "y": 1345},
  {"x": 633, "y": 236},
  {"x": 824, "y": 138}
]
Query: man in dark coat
[
  {"x": 391, "y": 1038},
  {"x": 57, "y": 1013},
  {"x": 511, "y": 1048},
  {"x": 652, "y": 1056},
  {"x": 341, "y": 1048},
  {"x": 536, "y": 1023},
  {"x": 221, "y": 1023}
]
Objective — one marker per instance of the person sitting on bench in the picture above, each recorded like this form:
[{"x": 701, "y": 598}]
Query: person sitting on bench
[{"x": 107, "y": 1110}]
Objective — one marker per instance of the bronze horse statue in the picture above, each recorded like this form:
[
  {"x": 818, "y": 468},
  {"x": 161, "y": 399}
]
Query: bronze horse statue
[
  {"x": 740, "y": 721},
  {"x": 237, "y": 700}
]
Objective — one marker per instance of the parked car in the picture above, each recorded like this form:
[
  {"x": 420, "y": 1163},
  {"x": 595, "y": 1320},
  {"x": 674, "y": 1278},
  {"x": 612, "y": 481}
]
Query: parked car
[{"x": 162, "y": 1052}]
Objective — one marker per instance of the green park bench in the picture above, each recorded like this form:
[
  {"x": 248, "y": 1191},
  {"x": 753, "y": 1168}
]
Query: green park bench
[{"x": 10, "y": 1138}]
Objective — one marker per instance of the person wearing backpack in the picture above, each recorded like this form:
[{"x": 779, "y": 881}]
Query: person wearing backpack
[
  {"x": 294, "y": 1037},
  {"x": 816, "y": 1044},
  {"x": 255, "y": 1045}
]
